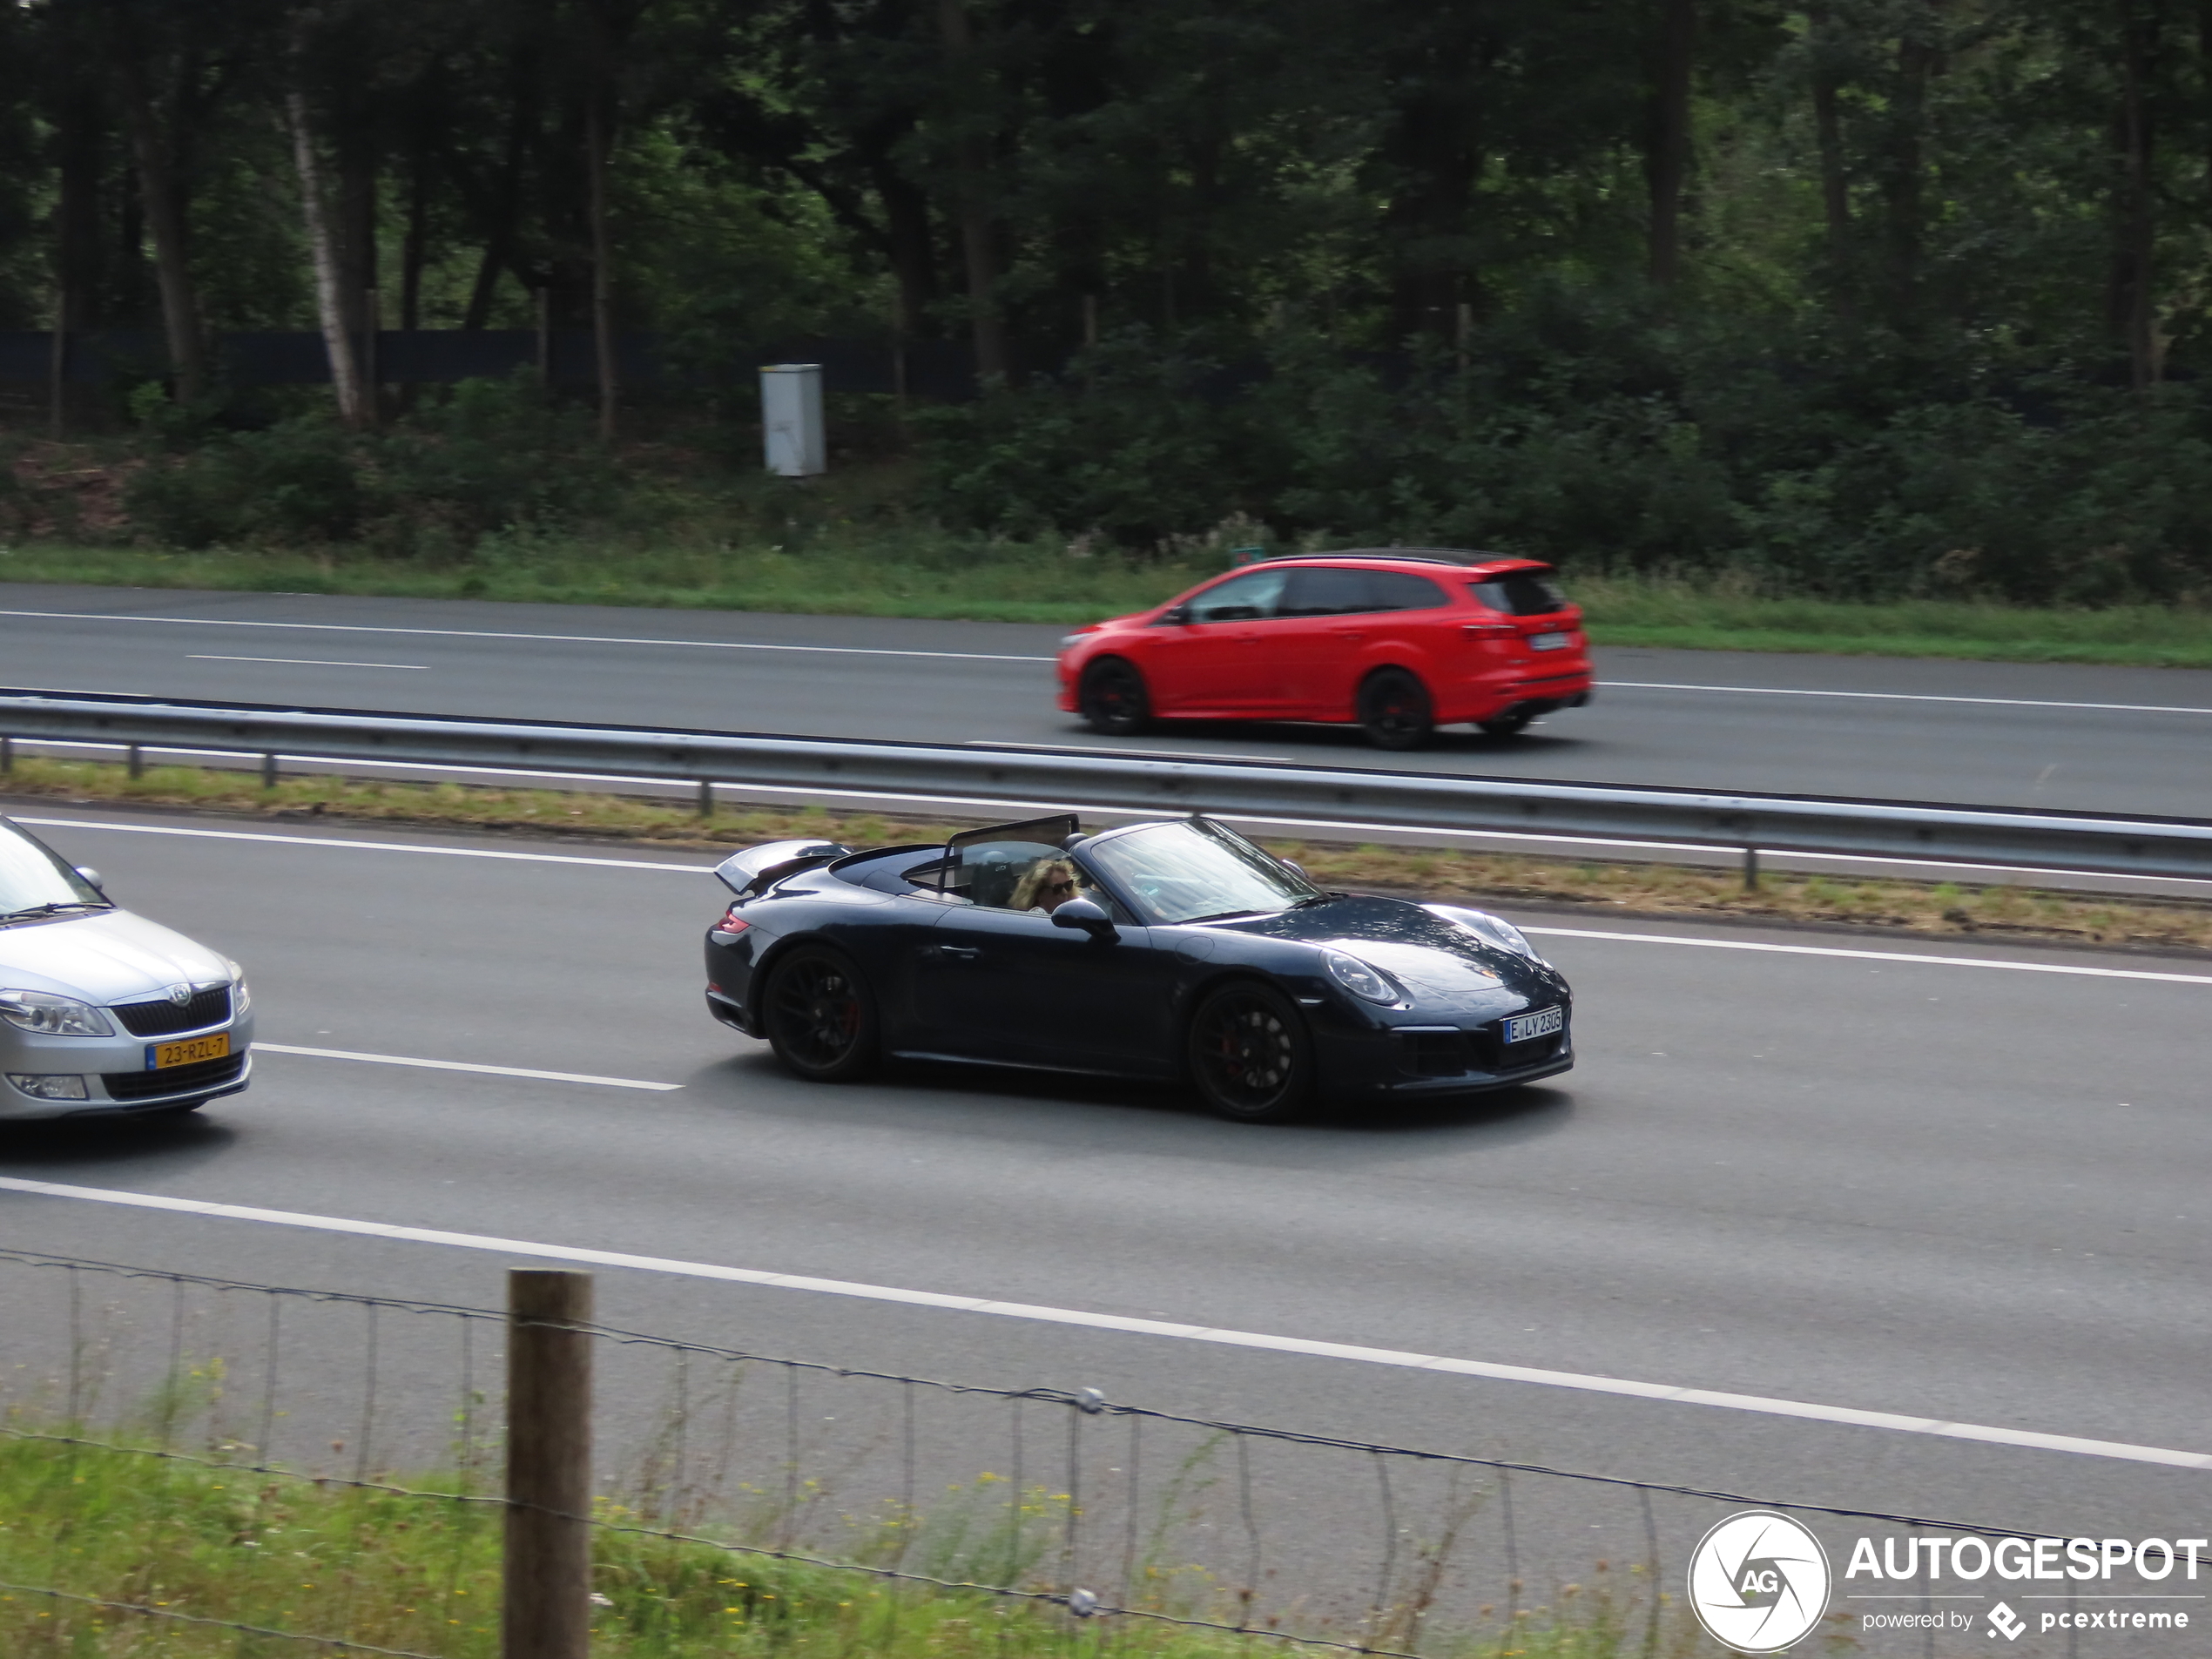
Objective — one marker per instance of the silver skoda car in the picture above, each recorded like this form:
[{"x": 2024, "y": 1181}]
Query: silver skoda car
[{"x": 103, "y": 1012}]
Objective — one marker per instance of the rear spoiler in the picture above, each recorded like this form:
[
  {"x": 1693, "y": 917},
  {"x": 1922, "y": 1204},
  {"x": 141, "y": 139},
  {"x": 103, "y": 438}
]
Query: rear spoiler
[{"x": 757, "y": 866}]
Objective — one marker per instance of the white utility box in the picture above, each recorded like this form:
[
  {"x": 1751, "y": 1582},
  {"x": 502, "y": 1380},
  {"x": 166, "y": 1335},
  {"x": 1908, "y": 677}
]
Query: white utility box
[{"x": 790, "y": 420}]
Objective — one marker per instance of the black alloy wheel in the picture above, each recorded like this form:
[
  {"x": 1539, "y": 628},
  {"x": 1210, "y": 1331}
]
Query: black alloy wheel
[
  {"x": 1507, "y": 725},
  {"x": 1395, "y": 709},
  {"x": 1250, "y": 1056},
  {"x": 1112, "y": 698},
  {"x": 821, "y": 1016}
]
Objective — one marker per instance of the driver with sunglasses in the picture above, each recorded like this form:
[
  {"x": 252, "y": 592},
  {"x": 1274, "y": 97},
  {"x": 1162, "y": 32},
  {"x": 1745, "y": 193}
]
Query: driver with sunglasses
[{"x": 1045, "y": 887}]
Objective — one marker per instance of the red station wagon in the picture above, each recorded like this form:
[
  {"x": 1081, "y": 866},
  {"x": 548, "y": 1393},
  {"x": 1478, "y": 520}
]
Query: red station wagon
[{"x": 1396, "y": 640}]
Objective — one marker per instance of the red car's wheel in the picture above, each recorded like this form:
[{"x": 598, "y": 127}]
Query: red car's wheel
[
  {"x": 1395, "y": 709},
  {"x": 1112, "y": 698}
]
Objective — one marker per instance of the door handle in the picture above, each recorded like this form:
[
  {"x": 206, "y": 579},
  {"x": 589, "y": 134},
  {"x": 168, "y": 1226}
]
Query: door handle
[
  {"x": 960, "y": 952},
  {"x": 1348, "y": 633}
]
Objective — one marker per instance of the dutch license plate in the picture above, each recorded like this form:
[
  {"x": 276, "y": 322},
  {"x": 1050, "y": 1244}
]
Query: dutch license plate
[
  {"x": 1544, "y": 1022},
  {"x": 1550, "y": 642},
  {"x": 161, "y": 1056}
]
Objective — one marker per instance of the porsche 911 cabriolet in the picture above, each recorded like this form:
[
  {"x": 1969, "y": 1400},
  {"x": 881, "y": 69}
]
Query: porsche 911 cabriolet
[{"x": 1177, "y": 950}]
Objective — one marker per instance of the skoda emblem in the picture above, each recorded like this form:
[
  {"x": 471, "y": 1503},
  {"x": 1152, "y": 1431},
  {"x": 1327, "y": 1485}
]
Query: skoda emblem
[{"x": 179, "y": 995}]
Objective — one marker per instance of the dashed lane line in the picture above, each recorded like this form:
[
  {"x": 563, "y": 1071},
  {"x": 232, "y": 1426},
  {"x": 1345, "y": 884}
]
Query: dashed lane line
[
  {"x": 463, "y": 1065},
  {"x": 1894, "y": 1422},
  {"x": 494, "y": 633}
]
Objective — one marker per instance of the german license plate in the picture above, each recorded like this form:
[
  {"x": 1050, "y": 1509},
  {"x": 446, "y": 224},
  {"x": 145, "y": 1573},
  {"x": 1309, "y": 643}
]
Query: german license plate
[
  {"x": 1550, "y": 642},
  {"x": 162, "y": 1055},
  {"x": 1544, "y": 1022}
]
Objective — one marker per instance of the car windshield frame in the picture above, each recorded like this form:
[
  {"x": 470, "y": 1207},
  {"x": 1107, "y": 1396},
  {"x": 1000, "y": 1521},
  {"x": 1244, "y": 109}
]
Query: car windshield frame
[
  {"x": 1216, "y": 872},
  {"x": 36, "y": 880}
]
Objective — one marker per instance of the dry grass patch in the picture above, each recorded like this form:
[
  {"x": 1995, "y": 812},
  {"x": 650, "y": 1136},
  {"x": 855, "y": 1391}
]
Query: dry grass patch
[{"x": 1937, "y": 909}]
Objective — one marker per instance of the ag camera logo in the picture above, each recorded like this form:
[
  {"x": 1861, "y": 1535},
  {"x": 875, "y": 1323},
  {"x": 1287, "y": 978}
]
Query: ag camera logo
[{"x": 1759, "y": 1581}]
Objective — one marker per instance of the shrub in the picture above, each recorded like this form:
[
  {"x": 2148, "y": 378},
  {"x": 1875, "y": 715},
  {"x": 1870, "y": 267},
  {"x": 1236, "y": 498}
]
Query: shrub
[{"x": 491, "y": 455}]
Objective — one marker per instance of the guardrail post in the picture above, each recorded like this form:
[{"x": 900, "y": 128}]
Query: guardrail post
[
  {"x": 7, "y": 755},
  {"x": 135, "y": 760},
  {"x": 547, "y": 1610},
  {"x": 1750, "y": 869},
  {"x": 706, "y": 799},
  {"x": 268, "y": 772}
]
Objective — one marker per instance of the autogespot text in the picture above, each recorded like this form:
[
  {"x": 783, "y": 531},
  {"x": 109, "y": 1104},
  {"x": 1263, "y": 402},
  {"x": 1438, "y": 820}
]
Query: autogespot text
[{"x": 2138, "y": 1583}]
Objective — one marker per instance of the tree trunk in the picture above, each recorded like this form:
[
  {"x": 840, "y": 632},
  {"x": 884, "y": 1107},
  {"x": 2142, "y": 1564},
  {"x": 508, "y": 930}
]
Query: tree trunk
[
  {"x": 1904, "y": 186},
  {"x": 80, "y": 130},
  {"x": 1667, "y": 162},
  {"x": 162, "y": 199},
  {"x": 322, "y": 248},
  {"x": 912, "y": 251},
  {"x": 2134, "y": 244},
  {"x": 1828, "y": 129},
  {"x": 978, "y": 234},
  {"x": 414, "y": 249},
  {"x": 599, "y": 139}
]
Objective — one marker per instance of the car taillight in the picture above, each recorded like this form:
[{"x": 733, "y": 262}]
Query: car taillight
[
  {"x": 732, "y": 922},
  {"x": 1489, "y": 630}
]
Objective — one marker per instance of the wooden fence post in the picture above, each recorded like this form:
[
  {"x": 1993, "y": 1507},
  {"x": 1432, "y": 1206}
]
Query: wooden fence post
[{"x": 547, "y": 1613}]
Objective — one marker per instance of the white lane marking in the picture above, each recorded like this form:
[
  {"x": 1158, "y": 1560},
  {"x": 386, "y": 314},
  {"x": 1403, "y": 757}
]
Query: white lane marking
[
  {"x": 360, "y": 847},
  {"x": 1897, "y": 1422},
  {"x": 1554, "y": 932},
  {"x": 296, "y": 661},
  {"x": 1904, "y": 697},
  {"x": 1874, "y": 955},
  {"x": 463, "y": 1065},
  {"x": 493, "y": 633}
]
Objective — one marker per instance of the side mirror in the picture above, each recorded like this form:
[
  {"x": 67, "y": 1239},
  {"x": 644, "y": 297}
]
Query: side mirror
[
  {"x": 1175, "y": 615},
  {"x": 1087, "y": 915},
  {"x": 1295, "y": 868},
  {"x": 91, "y": 875}
]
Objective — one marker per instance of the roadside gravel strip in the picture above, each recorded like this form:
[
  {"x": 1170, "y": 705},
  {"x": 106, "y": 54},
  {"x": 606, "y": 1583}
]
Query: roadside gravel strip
[{"x": 1664, "y": 1392}]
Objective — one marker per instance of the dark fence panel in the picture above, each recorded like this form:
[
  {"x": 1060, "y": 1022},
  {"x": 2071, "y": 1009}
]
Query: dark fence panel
[{"x": 939, "y": 369}]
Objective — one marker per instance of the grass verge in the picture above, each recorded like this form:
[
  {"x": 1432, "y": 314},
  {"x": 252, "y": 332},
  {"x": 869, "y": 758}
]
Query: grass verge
[
  {"x": 905, "y": 572},
  {"x": 1941, "y": 909},
  {"x": 162, "y": 1556}
]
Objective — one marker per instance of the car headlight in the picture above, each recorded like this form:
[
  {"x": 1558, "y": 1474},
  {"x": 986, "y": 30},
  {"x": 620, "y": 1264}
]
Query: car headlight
[
  {"x": 1359, "y": 979},
  {"x": 53, "y": 1016},
  {"x": 241, "y": 994},
  {"x": 1492, "y": 930}
]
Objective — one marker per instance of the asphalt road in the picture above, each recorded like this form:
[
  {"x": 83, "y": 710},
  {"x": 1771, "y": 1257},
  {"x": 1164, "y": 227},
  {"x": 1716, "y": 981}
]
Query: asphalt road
[
  {"x": 2065, "y": 737},
  {"x": 1879, "y": 1183}
]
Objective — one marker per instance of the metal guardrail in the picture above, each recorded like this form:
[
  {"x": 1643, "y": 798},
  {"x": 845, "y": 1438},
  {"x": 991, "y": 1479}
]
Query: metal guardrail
[{"x": 1749, "y": 823}]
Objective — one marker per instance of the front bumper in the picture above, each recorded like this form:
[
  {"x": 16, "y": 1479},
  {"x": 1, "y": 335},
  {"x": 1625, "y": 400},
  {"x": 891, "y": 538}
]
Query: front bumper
[
  {"x": 1423, "y": 1062},
  {"x": 116, "y": 1077}
]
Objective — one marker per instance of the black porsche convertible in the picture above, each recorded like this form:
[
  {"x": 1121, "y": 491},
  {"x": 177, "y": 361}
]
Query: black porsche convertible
[{"x": 1169, "y": 950}]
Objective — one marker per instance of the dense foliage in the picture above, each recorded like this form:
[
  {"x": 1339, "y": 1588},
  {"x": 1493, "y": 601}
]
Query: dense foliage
[{"x": 1877, "y": 297}]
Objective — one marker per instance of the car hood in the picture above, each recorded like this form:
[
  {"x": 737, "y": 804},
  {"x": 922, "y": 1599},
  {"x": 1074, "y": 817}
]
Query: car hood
[
  {"x": 112, "y": 956},
  {"x": 1442, "y": 965}
]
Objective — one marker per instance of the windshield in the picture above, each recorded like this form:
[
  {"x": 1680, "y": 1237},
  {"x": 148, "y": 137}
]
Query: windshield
[
  {"x": 31, "y": 877},
  {"x": 1194, "y": 870}
]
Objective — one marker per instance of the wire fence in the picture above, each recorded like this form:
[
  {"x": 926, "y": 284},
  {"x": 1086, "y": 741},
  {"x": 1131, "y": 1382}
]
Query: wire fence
[{"x": 298, "y": 1468}]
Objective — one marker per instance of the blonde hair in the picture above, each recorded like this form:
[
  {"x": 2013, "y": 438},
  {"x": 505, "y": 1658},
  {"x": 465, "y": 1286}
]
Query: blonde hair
[{"x": 1029, "y": 890}]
